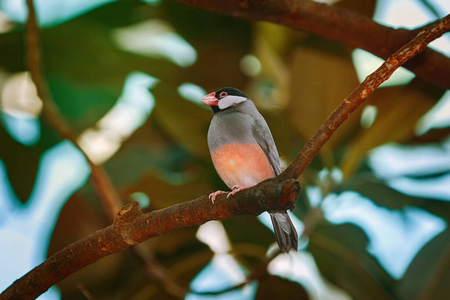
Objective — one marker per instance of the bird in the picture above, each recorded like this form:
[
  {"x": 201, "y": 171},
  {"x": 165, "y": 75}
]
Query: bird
[{"x": 244, "y": 153}]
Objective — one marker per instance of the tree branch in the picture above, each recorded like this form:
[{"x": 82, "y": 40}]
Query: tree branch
[
  {"x": 131, "y": 226},
  {"x": 337, "y": 24},
  {"x": 362, "y": 92},
  {"x": 100, "y": 180},
  {"x": 102, "y": 183}
]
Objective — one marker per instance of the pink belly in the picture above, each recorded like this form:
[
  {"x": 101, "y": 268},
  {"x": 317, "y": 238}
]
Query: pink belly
[{"x": 242, "y": 164}]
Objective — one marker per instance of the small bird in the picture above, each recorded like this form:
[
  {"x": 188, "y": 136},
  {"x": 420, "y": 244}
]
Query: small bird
[{"x": 244, "y": 153}]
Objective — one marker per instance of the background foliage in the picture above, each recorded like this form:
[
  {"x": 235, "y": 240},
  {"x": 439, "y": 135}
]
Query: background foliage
[{"x": 128, "y": 75}]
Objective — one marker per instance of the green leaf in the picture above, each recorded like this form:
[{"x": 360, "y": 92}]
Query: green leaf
[
  {"x": 399, "y": 109},
  {"x": 22, "y": 164},
  {"x": 249, "y": 234},
  {"x": 220, "y": 42},
  {"x": 81, "y": 105},
  {"x": 274, "y": 287},
  {"x": 146, "y": 150},
  {"x": 184, "y": 121},
  {"x": 428, "y": 274},
  {"x": 322, "y": 75},
  {"x": 381, "y": 194},
  {"x": 341, "y": 255}
]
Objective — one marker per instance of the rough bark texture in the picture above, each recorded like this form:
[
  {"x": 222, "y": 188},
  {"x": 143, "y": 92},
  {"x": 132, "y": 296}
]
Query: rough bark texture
[
  {"x": 131, "y": 226},
  {"x": 362, "y": 92}
]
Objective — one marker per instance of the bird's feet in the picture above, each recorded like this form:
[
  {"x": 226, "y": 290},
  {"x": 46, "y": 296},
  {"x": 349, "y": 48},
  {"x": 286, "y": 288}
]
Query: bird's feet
[
  {"x": 213, "y": 195},
  {"x": 236, "y": 189}
]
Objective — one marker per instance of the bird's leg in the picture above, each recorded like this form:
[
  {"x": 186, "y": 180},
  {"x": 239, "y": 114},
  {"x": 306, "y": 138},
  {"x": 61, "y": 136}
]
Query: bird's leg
[
  {"x": 213, "y": 195},
  {"x": 235, "y": 189}
]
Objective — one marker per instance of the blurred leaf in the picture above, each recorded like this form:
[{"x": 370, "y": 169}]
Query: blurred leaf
[
  {"x": 186, "y": 122},
  {"x": 269, "y": 88},
  {"x": 146, "y": 150},
  {"x": 322, "y": 75},
  {"x": 81, "y": 105},
  {"x": 163, "y": 193},
  {"x": 183, "y": 256},
  {"x": 274, "y": 287},
  {"x": 118, "y": 13},
  {"x": 220, "y": 41},
  {"x": 341, "y": 254},
  {"x": 78, "y": 211},
  {"x": 381, "y": 194},
  {"x": 302, "y": 204},
  {"x": 49, "y": 135},
  {"x": 278, "y": 38},
  {"x": 13, "y": 48},
  {"x": 91, "y": 58},
  {"x": 250, "y": 239},
  {"x": 433, "y": 135},
  {"x": 283, "y": 134},
  {"x": 188, "y": 258},
  {"x": 428, "y": 275},
  {"x": 207, "y": 26},
  {"x": 22, "y": 164},
  {"x": 396, "y": 120}
]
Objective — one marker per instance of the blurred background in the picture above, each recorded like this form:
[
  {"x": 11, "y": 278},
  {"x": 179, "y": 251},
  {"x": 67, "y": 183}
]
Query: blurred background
[{"x": 128, "y": 75}]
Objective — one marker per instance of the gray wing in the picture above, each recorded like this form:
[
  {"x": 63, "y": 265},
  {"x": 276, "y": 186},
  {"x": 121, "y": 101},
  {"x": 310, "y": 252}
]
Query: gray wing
[
  {"x": 263, "y": 137},
  {"x": 285, "y": 232}
]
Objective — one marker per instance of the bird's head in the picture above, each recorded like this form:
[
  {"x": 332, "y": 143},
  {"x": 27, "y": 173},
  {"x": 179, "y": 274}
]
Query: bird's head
[{"x": 224, "y": 98}]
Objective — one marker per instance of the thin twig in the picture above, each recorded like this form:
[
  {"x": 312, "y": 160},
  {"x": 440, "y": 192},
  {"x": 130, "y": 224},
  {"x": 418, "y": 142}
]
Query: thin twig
[
  {"x": 85, "y": 291},
  {"x": 362, "y": 92},
  {"x": 100, "y": 180}
]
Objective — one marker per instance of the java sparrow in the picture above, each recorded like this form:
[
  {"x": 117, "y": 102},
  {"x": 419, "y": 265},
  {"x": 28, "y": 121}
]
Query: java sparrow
[{"x": 244, "y": 153}]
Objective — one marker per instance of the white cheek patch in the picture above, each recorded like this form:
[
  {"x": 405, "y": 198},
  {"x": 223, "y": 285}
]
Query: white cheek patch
[{"x": 230, "y": 101}]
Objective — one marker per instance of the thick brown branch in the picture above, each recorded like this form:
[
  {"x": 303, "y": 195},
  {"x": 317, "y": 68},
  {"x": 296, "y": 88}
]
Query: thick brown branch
[
  {"x": 364, "y": 90},
  {"x": 338, "y": 24},
  {"x": 132, "y": 226}
]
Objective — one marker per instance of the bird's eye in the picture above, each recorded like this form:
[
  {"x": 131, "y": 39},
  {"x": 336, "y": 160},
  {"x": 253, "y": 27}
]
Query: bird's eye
[{"x": 223, "y": 94}]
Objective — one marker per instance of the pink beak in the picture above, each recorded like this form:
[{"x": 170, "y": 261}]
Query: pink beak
[{"x": 210, "y": 99}]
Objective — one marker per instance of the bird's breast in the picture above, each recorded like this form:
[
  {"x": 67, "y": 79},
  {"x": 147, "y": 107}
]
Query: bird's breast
[{"x": 242, "y": 164}]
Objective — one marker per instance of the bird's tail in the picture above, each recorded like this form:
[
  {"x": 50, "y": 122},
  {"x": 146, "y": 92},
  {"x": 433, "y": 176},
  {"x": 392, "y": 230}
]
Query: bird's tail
[{"x": 285, "y": 232}]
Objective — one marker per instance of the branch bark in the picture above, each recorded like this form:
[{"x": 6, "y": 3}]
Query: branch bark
[
  {"x": 131, "y": 226},
  {"x": 337, "y": 24},
  {"x": 362, "y": 92}
]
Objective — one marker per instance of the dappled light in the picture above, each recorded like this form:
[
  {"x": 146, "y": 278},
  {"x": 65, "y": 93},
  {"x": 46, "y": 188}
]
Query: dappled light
[
  {"x": 409, "y": 229},
  {"x": 129, "y": 113},
  {"x": 155, "y": 38}
]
